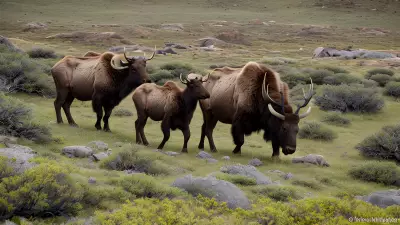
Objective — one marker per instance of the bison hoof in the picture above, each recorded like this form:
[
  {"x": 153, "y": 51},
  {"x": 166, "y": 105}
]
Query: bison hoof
[
  {"x": 60, "y": 122},
  {"x": 146, "y": 143},
  {"x": 184, "y": 150},
  {"x": 98, "y": 127},
  {"x": 107, "y": 130},
  {"x": 74, "y": 125},
  {"x": 213, "y": 150},
  {"x": 237, "y": 152},
  {"x": 201, "y": 147}
]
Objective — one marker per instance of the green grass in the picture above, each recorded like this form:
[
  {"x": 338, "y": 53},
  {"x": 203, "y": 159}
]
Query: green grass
[{"x": 276, "y": 43}]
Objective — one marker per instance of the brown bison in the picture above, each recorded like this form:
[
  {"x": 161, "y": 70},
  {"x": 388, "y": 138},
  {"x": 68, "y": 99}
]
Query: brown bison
[
  {"x": 104, "y": 79},
  {"x": 244, "y": 97},
  {"x": 169, "y": 103}
]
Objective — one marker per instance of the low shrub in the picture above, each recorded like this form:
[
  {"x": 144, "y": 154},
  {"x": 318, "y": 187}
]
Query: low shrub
[
  {"x": 100, "y": 196},
  {"x": 293, "y": 79},
  {"x": 377, "y": 55},
  {"x": 318, "y": 76},
  {"x": 378, "y": 71},
  {"x": 316, "y": 131},
  {"x": 19, "y": 73},
  {"x": 369, "y": 83},
  {"x": 381, "y": 79},
  {"x": 122, "y": 112},
  {"x": 392, "y": 89},
  {"x": 386, "y": 173},
  {"x": 38, "y": 52},
  {"x": 308, "y": 183},
  {"x": 334, "y": 69},
  {"x": 336, "y": 119},
  {"x": 142, "y": 185},
  {"x": 341, "y": 78},
  {"x": 176, "y": 68},
  {"x": 277, "y": 193},
  {"x": 382, "y": 145},
  {"x": 350, "y": 98},
  {"x": 42, "y": 191},
  {"x": 15, "y": 120},
  {"x": 237, "y": 179},
  {"x": 162, "y": 75}
]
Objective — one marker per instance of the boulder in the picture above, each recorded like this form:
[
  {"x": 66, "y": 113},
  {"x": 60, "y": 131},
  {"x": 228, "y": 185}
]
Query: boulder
[
  {"x": 226, "y": 158},
  {"x": 170, "y": 153},
  {"x": 98, "y": 145},
  {"x": 19, "y": 157},
  {"x": 222, "y": 191},
  {"x": 211, "y": 160},
  {"x": 255, "y": 162},
  {"x": 203, "y": 155},
  {"x": 77, "y": 151},
  {"x": 92, "y": 180},
  {"x": 248, "y": 171},
  {"x": 8, "y": 139},
  {"x": 288, "y": 176},
  {"x": 311, "y": 159},
  {"x": 100, "y": 156},
  {"x": 382, "y": 199}
]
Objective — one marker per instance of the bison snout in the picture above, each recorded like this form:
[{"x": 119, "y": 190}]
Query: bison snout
[{"x": 289, "y": 150}]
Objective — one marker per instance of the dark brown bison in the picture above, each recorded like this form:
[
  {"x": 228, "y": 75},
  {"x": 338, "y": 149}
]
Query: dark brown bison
[
  {"x": 104, "y": 79},
  {"x": 248, "y": 98},
  {"x": 169, "y": 103}
]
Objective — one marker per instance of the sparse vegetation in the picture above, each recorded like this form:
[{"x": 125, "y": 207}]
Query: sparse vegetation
[
  {"x": 386, "y": 173},
  {"x": 122, "y": 112},
  {"x": 350, "y": 98},
  {"x": 308, "y": 183},
  {"x": 277, "y": 193},
  {"x": 383, "y": 145},
  {"x": 334, "y": 69},
  {"x": 45, "y": 53},
  {"x": 316, "y": 131},
  {"x": 336, "y": 119},
  {"x": 392, "y": 89}
]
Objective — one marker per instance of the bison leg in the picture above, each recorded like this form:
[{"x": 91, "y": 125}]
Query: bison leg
[
  {"x": 139, "y": 126},
  {"x": 186, "y": 137},
  {"x": 202, "y": 136},
  {"x": 107, "y": 115},
  {"x": 97, "y": 107},
  {"x": 275, "y": 147},
  {"x": 66, "y": 106},
  {"x": 238, "y": 137},
  {"x": 210, "y": 125},
  {"x": 166, "y": 131},
  {"x": 59, "y": 102}
]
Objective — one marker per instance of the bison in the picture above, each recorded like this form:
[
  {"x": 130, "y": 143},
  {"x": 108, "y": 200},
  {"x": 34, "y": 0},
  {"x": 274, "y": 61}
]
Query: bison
[
  {"x": 105, "y": 79},
  {"x": 169, "y": 103},
  {"x": 244, "y": 97}
]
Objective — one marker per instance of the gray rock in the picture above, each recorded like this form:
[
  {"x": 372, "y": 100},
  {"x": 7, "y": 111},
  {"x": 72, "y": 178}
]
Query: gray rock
[
  {"x": 92, "y": 180},
  {"x": 222, "y": 191},
  {"x": 382, "y": 199},
  {"x": 204, "y": 155},
  {"x": 211, "y": 160},
  {"x": 276, "y": 171},
  {"x": 8, "y": 139},
  {"x": 115, "y": 163},
  {"x": 100, "y": 156},
  {"x": 248, "y": 171},
  {"x": 19, "y": 157},
  {"x": 77, "y": 151},
  {"x": 311, "y": 159},
  {"x": 98, "y": 145},
  {"x": 255, "y": 162},
  {"x": 288, "y": 176},
  {"x": 170, "y": 153},
  {"x": 226, "y": 158}
]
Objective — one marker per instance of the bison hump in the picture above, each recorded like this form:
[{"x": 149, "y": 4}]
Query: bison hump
[{"x": 171, "y": 85}]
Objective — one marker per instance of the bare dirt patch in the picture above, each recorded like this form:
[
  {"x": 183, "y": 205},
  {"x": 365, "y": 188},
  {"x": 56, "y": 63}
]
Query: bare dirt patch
[
  {"x": 97, "y": 38},
  {"x": 234, "y": 37},
  {"x": 34, "y": 26}
]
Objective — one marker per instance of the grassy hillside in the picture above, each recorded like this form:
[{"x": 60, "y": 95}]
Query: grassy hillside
[{"x": 280, "y": 34}]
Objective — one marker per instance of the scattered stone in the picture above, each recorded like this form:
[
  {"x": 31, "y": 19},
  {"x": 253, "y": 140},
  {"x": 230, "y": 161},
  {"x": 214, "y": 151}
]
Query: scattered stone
[
  {"x": 211, "y": 41},
  {"x": 98, "y": 145},
  {"x": 248, "y": 171},
  {"x": 211, "y": 160},
  {"x": 172, "y": 26},
  {"x": 177, "y": 46},
  {"x": 169, "y": 50},
  {"x": 226, "y": 158},
  {"x": 382, "y": 199},
  {"x": 33, "y": 26},
  {"x": 92, "y": 180},
  {"x": 100, "y": 156},
  {"x": 19, "y": 157},
  {"x": 8, "y": 139},
  {"x": 203, "y": 155},
  {"x": 312, "y": 159},
  {"x": 134, "y": 48},
  {"x": 255, "y": 162},
  {"x": 222, "y": 191},
  {"x": 170, "y": 153},
  {"x": 77, "y": 151},
  {"x": 276, "y": 171},
  {"x": 288, "y": 176}
]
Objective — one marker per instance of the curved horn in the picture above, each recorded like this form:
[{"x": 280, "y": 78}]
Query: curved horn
[
  {"x": 116, "y": 63},
  {"x": 152, "y": 56},
  {"x": 208, "y": 76},
  {"x": 183, "y": 81},
  {"x": 301, "y": 116},
  {"x": 264, "y": 93},
  {"x": 275, "y": 113},
  {"x": 127, "y": 59}
]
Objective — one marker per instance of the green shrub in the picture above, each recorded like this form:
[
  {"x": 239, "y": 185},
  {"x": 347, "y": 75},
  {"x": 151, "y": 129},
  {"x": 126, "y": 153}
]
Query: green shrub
[
  {"x": 382, "y": 145},
  {"x": 277, "y": 61},
  {"x": 316, "y": 131},
  {"x": 100, "y": 196},
  {"x": 392, "y": 89},
  {"x": 336, "y": 119},
  {"x": 176, "y": 68},
  {"x": 350, "y": 98},
  {"x": 341, "y": 78},
  {"x": 122, "y": 112},
  {"x": 308, "y": 183},
  {"x": 142, "y": 185},
  {"x": 378, "y": 71},
  {"x": 293, "y": 79},
  {"x": 379, "y": 172},
  {"x": 19, "y": 73},
  {"x": 38, "y": 52},
  {"x": 369, "y": 83},
  {"x": 5, "y": 169},
  {"x": 15, "y": 120},
  {"x": 42, "y": 191},
  {"x": 334, "y": 69},
  {"x": 162, "y": 75},
  {"x": 237, "y": 179},
  {"x": 318, "y": 76},
  {"x": 381, "y": 79},
  {"x": 277, "y": 193}
]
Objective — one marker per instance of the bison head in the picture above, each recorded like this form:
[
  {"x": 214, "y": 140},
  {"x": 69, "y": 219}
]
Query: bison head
[
  {"x": 195, "y": 86},
  {"x": 286, "y": 125}
]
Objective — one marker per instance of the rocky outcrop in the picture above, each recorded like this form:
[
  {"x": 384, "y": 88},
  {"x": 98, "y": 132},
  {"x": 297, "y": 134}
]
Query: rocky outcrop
[
  {"x": 382, "y": 199},
  {"x": 248, "y": 171},
  {"x": 312, "y": 159}
]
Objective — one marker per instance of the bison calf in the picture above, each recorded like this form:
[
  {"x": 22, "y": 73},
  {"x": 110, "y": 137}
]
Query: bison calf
[{"x": 169, "y": 103}]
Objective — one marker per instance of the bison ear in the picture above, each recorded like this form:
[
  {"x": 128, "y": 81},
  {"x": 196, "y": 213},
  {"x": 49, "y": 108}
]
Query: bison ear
[{"x": 124, "y": 63}]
